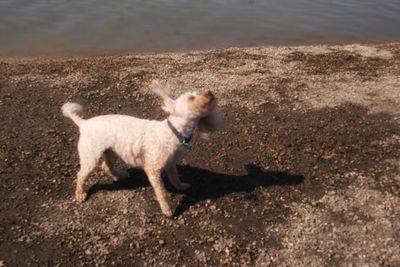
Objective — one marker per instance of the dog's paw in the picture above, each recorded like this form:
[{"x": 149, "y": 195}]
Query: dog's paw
[
  {"x": 168, "y": 213},
  {"x": 122, "y": 175},
  {"x": 80, "y": 197},
  {"x": 183, "y": 186},
  {"x": 166, "y": 210}
]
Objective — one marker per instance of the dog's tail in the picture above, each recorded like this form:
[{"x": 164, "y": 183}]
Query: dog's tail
[{"x": 72, "y": 110}]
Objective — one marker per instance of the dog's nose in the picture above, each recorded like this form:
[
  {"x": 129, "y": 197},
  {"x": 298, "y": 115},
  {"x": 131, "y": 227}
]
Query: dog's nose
[{"x": 210, "y": 95}]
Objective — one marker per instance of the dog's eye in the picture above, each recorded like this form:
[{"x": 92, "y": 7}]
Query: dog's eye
[{"x": 191, "y": 98}]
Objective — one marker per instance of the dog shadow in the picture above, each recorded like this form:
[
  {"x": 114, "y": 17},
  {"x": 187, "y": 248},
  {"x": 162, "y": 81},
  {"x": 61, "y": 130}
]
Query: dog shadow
[
  {"x": 212, "y": 185},
  {"x": 206, "y": 184},
  {"x": 137, "y": 179}
]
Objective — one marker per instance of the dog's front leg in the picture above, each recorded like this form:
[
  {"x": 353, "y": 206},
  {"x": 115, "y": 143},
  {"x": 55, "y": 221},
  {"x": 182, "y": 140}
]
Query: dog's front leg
[
  {"x": 159, "y": 189},
  {"x": 174, "y": 178}
]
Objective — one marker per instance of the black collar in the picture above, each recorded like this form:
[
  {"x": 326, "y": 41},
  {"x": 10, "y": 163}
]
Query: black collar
[{"x": 183, "y": 140}]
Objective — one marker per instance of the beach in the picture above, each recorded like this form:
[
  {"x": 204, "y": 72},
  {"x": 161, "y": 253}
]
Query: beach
[{"x": 305, "y": 171}]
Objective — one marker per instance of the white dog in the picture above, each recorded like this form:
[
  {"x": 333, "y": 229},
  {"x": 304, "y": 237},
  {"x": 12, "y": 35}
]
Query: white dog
[{"x": 152, "y": 145}]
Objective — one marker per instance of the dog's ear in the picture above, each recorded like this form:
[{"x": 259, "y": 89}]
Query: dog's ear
[
  {"x": 210, "y": 124},
  {"x": 165, "y": 94}
]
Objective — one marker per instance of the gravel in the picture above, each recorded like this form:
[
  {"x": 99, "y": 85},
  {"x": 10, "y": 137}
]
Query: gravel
[{"x": 305, "y": 171}]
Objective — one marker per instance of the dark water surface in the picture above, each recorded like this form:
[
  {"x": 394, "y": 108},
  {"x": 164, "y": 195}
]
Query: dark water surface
[{"x": 78, "y": 27}]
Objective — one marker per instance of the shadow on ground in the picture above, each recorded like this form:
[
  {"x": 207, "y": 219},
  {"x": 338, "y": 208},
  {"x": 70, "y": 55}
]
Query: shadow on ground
[{"x": 207, "y": 184}]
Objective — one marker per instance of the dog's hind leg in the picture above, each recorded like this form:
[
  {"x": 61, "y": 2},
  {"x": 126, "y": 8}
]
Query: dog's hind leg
[
  {"x": 107, "y": 166},
  {"x": 88, "y": 162}
]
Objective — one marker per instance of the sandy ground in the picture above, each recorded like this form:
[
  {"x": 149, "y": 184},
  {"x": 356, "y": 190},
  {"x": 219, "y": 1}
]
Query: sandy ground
[{"x": 305, "y": 171}]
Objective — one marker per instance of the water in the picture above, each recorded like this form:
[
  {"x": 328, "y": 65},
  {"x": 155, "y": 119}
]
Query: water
[{"x": 64, "y": 27}]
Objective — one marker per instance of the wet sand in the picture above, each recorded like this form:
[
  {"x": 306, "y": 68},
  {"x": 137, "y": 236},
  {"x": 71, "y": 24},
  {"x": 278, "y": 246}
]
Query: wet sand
[{"x": 304, "y": 173}]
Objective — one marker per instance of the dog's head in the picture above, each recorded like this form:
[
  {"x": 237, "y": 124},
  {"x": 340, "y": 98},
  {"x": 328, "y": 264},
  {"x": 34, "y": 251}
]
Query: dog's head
[{"x": 192, "y": 106}]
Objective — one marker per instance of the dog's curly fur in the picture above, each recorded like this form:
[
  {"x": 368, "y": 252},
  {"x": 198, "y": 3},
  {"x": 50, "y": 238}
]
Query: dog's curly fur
[{"x": 147, "y": 144}]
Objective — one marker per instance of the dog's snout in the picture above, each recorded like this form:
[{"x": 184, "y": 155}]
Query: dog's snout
[{"x": 210, "y": 95}]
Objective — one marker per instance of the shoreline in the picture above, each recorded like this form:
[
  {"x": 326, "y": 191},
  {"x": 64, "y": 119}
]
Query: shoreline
[{"x": 79, "y": 55}]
